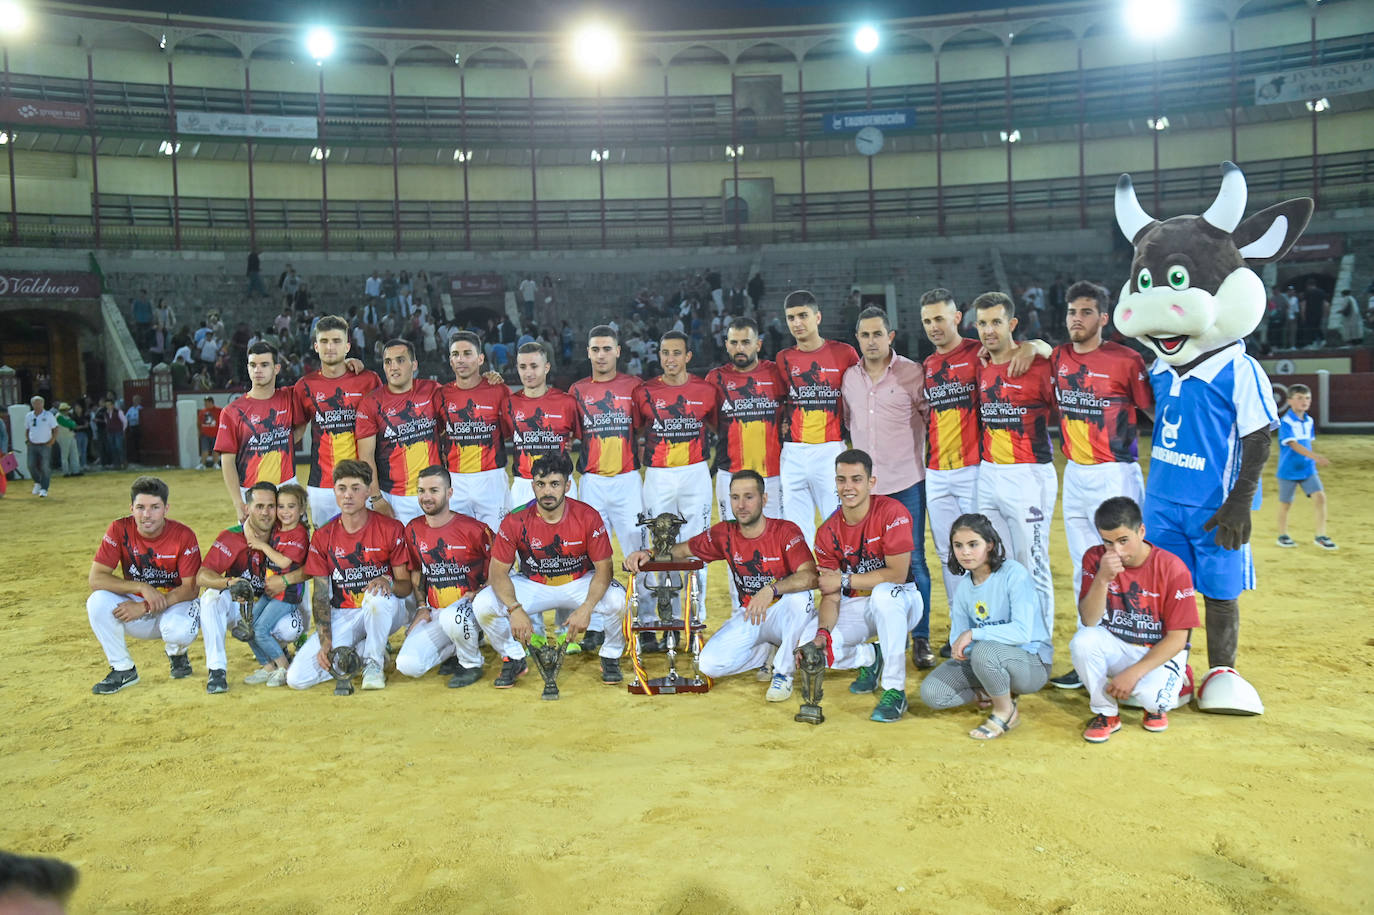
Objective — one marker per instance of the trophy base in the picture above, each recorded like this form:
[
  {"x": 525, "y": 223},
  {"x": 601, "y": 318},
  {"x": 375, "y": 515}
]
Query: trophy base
[
  {"x": 241, "y": 631},
  {"x": 343, "y": 688},
  {"x": 550, "y": 693},
  {"x": 669, "y": 686},
  {"x": 809, "y": 714},
  {"x": 660, "y": 625}
]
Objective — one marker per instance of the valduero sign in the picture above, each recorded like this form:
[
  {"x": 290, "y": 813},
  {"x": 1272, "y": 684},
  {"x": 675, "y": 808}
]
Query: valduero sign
[
  {"x": 42, "y": 285},
  {"x": 478, "y": 284},
  {"x": 884, "y": 118}
]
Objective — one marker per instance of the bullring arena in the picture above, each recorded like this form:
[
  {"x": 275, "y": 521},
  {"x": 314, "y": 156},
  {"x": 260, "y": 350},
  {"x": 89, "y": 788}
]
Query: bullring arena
[{"x": 502, "y": 170}]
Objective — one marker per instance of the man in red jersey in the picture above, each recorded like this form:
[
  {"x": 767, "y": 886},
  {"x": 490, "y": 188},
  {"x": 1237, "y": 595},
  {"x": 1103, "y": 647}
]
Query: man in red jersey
[
  {"x": 359, "y": 564},
  {"x": 472, "y": 416},
  {"x": 1017, "y": 484},
  {"x": 773, "y": 573},
  {"x": 542, "y": 420},
  {"x": 677, "y": 412},
  {"x": 207, "y": 428},
  {"x": 256, "y": 438},
  {"x": 154, "y": 596},
  {"x": 752, "y": 395},
  {"x": 328, "y": 399},
  {"x": 1138, "y": 610},
  {"x": 398, "y": 432},
  {"x": 565, "y": 566},
  {"x": 864, "y": 554},
  {"x": 448, "y": 565},
  {"x": 813, "y": 370}
]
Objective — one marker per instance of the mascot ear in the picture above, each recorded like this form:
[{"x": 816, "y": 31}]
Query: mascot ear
[{"x": 1269, "y": 234}]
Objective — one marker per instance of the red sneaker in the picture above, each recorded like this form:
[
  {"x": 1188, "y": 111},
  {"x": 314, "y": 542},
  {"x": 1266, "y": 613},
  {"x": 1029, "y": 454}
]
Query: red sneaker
[
  {"x": 1155, "y": 722},
  {"x": 1101, "y": 727}
]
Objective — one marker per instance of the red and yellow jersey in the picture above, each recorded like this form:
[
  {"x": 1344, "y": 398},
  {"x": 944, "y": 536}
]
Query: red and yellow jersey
[
  {"x": 259, "y": 435},
  {"x": 406, "y": 427},
  {"x": 540, "y": 425},
  {"x": 452, "y": 559},
  {"x": 754, "y": 562},
  {"x": 952, "y": 390},
  {"x": 1016, "y": 413},
  {"x": 815, "y": 408},
  {"x": 553, "y": 554},
  {"x": 165, "y": 562},
  {"x": 676, "y": 420},
  {"x": 330, "y": 405},
  {"x": 857, "y": 548},
  {"x": 606, "y": 411},
  {"x": 751, "y": 412},
  {"x": 473, "y": 424},
  {"x": 350, "y": 561},
  {"x": 1098, "y": 394}
]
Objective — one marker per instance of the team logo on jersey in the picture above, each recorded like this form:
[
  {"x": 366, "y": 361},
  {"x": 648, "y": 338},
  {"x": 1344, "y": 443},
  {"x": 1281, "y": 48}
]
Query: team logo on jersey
[
  {"x": 1168, "y": 436},
  {"x": 1034, "y": 515}
]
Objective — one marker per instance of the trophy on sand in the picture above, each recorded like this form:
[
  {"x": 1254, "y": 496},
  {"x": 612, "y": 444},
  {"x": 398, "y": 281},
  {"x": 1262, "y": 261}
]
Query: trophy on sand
[
  {"x": 812, "y": 670},
  {"x": 241, "y": 593},
  {"x": 663, "y": 534},
  {"x": 344, "y": 663},
  {"x": 547, "y": 655}
]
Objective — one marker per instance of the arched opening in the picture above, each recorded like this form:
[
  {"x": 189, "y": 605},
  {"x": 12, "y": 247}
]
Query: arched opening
[
  {"x": 766, "y": 52},
  {"x": 495, "y": 58},
  {"x": 699, "y": 55},
  {"x": 208, "y": 45},
  {"x": 424, "y": 55}
]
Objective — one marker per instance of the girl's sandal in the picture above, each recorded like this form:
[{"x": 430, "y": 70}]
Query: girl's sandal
[{"x": 995, "y": 726}]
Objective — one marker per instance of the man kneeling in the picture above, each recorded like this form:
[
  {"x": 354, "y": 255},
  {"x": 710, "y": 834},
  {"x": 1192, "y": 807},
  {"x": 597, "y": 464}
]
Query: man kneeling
[
  {"x": 1138, "y": 610},
  {"x": 565, "y": 561},
  {"x": 773, "y": 572},
  {"x": 358, "y": 561}
]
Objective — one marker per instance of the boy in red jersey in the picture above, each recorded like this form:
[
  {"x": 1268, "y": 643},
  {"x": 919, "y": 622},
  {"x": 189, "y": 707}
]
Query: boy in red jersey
[
  {"x": 472, "y": 417},
  {"x": 752, "y": 396},
  {"x": 542, "y": 420},
  {"x": 813, "y": 370},
  {"x": 361, "y": 574},
  {"x": 565, "y": 566},
  {"x": 398, "y": 432},
  {"x": 256, "y": 438},
  {"x": 1138, "y": 611},
  {"x": 448, "y": 565},
  {"x": 154, "y": 597}
]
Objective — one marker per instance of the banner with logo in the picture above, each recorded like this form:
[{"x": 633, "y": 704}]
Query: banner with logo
[
  {"x": 268, "y": 126},
  {"x": 884, "y": 118},
  {"x": 478, "y": 284},
  {"x": 1314, "y": 82},
  {"x": 45, "y": 285},
  {"x": 41, "y": 113}
]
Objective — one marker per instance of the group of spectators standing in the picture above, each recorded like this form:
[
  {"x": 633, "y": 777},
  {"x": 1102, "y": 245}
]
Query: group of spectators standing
[
  {"x": 72, "y": 438},
  {"x": 1309, "y": 318}
]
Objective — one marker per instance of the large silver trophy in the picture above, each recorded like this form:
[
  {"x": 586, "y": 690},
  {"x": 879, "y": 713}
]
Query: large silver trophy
[
  {"x": 678, "y": 633},
  {"x": 344, "y": 664},
  {"x": 547, "y": 656},
  {"x": 812, "y": 670},
  {"x": 241, "y": 593}
]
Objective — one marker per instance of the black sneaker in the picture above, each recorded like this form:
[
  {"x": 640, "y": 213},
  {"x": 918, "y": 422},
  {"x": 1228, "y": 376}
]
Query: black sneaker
[
  {"x": 512, "y": 669},
  {"x": 921, "y": 655},
  {"x": 946, "y": 651},
  {"x": 115, "y": 680},
  {"x": 592, "y": 640},
  {"x": 217, "y": 683},
  {"x": 181, "y": 666},
  {"x": 450, "y": 667},
  {"x": 610, "y": 671},
  {"x": 648, "y": 643},
  {"x": 1068, "y": 681},
  {"x": 464, "y": 676}
]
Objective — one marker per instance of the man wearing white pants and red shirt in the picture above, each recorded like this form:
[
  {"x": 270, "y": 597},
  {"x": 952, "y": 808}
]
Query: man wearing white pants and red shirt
[
  {"x": 774, "y": 573},
  {"x": 256, "y": 439},
  {"x": 448, "y": 555},
  {"x": 1138, "y": 609},
  {"x": 752, "y": 396},
  {"x": 359, "y": 564},
  {"x": 541, "y": 419},
  {"x": 864, "y": 554},
  {"x": 398, "y": 432},
  {"x": 156, "y": 596},
  {"x": 565, "y": 566},
  {"x": 1017, "y": 485},
  {"x": 472, "y": 431}
]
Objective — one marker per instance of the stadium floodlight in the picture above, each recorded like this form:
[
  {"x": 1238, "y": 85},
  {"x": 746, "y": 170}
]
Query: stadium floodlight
[
  {"x": 866, "y": 39},
  {"x": 5, "y": 137},
  {"x": 1013, "y": 137},
  {"x": 320, "y": 42},
  {"x": 595, "y": 48},
  {"x": 14, "y": 17},
  {"x": 601, "y": 155},
  {"x": 1159, "y": 123},
  {"x": 734, "y": 152},
  {"x": 167, "y": 147},
  {"x": 318, "y": 154},
  {"x": 1318, "y": 105},
  {"x": 1151, "y": 20},
  {"x": 462, "y": 155}
]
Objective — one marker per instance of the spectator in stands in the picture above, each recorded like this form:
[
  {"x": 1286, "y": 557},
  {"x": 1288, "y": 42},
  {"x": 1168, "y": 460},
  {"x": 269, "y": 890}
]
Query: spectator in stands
[
  {"x": 143, "y": 318},
  {"x": 359, "y": 340},
  {"x": 717, "y": 291},
  {"x": 216, "y": 323},
  {"x": 81, "y": 416},
  {"x": 1316, "y": 307},
  {"x": 112, "y": 423},
  {"x": 201, "y": 333},
  {"x": 566, "y": 339},
  {"x": 528, "y": 289},
  {"x": 425, "y": 287},
  {"x": 405, "y": 292},
  {"x": 66, "y": 441},
  {"x": 429, "y": 336},
  {"x": 1292, "y": 318},
  {"x": 209, "y": 350},
  {"x": 133, "y": 432},
  {"x": 255, "y": 286},
  {"x": 371, "y": 316},
  {"x": 391, "y": 293},
  {"x": 372, "y": 288},
  {"x": 157, "y": 345},
  {"x": 755, "y": 288},
  {"x": 181, "y": 369},
  {"x": 290, "y": 285},
  {"x": 164, "y": 316},
  {"x": 1345, "y": 317}
]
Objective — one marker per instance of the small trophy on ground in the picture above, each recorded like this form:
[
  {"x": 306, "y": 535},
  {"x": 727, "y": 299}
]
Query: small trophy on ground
[
  {"x": 547, "y": 655},
  {"x": 241, "y": 593},
  {"x": 812, "y": 670},
  {"x": 344, "y": 663}
]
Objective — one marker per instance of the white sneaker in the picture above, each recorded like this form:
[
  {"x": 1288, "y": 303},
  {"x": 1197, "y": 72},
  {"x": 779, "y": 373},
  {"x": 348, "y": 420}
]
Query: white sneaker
[
  {"x": 36, "y": 489},
  {"x": 780, "y": 690},
  {"x": 278, "y": 677},
  {"x": 42, "y": 493},
  {"x": 764, "y": 674},
  {"x": 261, "y": 675},
  {"x": 373, "y": 678}
]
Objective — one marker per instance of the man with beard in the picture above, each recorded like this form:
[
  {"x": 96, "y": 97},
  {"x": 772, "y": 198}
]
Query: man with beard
[
  {"x": 752, "y": 394},
  {"x": 398, "y": 432},
  {"x": 472, "y": 413}
]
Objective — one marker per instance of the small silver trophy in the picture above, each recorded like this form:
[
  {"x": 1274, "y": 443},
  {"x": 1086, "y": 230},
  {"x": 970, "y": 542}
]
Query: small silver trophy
[
  {"x": 241, "y": 593},
  {"x": 812, "y": 670},
  {"x": 344, "y": 663},
  {"x": 547, "y": 655}
]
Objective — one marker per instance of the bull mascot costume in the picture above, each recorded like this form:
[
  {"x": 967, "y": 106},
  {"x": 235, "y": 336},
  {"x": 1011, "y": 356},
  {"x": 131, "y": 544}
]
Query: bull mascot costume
[{"x": 1191, "y": 298}]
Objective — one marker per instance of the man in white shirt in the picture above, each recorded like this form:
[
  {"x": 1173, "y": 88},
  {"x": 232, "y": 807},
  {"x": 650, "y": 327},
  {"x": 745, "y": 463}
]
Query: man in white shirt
[
  {"x": 40, "y": 428},
  {"x": 372, "y": 288}
]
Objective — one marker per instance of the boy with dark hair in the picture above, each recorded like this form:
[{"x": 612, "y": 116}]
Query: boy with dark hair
[{"x": 1298, "y": 463}]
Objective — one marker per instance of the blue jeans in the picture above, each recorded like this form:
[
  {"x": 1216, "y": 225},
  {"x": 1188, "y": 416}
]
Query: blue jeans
[
  {"x": 913, "y": 498},
  {"x": 267, "y": 612}
]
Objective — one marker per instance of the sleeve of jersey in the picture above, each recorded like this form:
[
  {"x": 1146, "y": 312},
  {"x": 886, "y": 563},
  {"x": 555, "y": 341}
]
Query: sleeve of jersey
[
  {"x": 959, "y": 619},
  {"x": 503, "y": 545},
  {"x": 1288, "y": 431},
  {"x": 851, "y": 357},
  {"x": 188, "y": 563},
  {"x": 305, "y": 408},
  {"x": 1253, "y": 398},
  {"x": 898, "y": 536},
  {"x": 598, "y": 541},
  {"x": 315, "y": 563},
  {"x": 483, "y": 546},
  {"x": 294, "y": 549},
  {"x": 365, "y": 419},
  {"x": 227, "y": 437},
  {"x": 109, "y": 553},
  {"x": 704, "y": 547},
  {"x": 1179, "y": 598},
  {"x": 1091, "y": 560},
  {"x": 399, "y": 556},
  {"x": 412, "y": 548},
  {"x": 1141, "y": 392},
  {"x": 794, "y": 548},
  {"x": 219, "y": 558},
  {"x": 825, "y": 557}
]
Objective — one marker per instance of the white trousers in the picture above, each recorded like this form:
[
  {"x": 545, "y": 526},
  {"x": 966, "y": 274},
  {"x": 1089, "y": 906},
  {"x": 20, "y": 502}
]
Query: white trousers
[
  {"x": 889, "y": 613},
  {"x": 740, "y": 645},
  {"x": 538, "y": 599},
  {"x": 1019, "y": 500},
  {"x": 323, "y": 506},
  {"x": 483, "y": 495},
  {"x": 405, "y": 508},
  {"x": 619, "y": 500},
  {"x": 522, "y": 491},
  {"x": 808, "y": 483},
  {"x": 1099, "y": 655},
  {"x": 687, "y": 491},
  {"x": 949, "y": 494},
  {"x": 367, "y": 626},
  {"x": 176, "y": 626},
  {"x": 450, "y": 630},
  {"x": 1086, "y": 486},
  {"x": 218, "y": 612},
  {"x": 772, "y": 487}
]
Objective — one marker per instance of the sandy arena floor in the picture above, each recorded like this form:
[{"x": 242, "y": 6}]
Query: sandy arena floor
[{"x": 424, "y": 799}]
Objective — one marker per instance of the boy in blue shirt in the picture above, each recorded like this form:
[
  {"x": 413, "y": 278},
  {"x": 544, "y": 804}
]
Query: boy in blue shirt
[{"x": 1298, "y": 464}]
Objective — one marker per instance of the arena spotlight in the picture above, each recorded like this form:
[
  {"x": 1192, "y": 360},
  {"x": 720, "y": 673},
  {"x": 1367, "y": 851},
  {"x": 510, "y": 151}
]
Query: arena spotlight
[
  {"x": 1013, "y": 137},
  {"x": 1318, "y": 105},
  {"x": 595, "y": 48},
  {"x": 1159, "y": 123},
  {"x": 462, "y": 155},
  {"x": 1151, "y": 20},
  {"x": 316, "y": 153},
  {"x": 14, "y": 18},
  {"x": 734, "y": 152},
  {"x": 866, "y": 39},
  {"x": 4, "y": 137},
  {"x": 320, "y": 42},
  {"x": 167, "y": 147},
  {"x": 601, "y": 155}
]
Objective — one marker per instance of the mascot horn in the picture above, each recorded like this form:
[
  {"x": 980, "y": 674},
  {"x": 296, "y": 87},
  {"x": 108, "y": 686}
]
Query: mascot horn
[{"x": 1192, "y": 298}]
